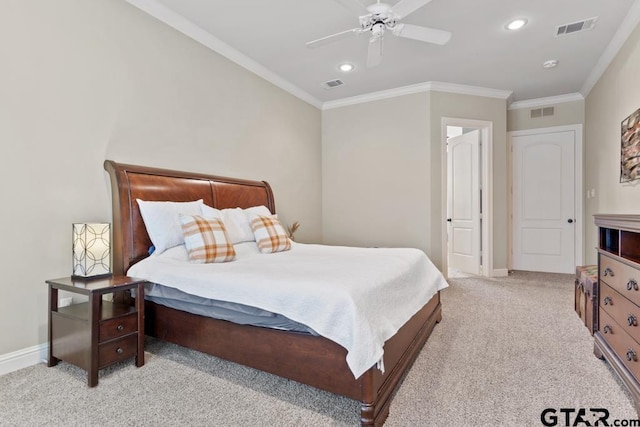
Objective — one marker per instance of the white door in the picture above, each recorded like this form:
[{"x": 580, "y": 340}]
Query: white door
[
  {"x": 463, "y": 202},
  {"x": 543, "y": 197}
]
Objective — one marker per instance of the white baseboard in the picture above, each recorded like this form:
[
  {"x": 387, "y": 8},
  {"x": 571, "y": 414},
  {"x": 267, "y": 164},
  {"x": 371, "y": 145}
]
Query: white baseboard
[
  {"x": 23, "y": 358},
  {"x": 500, "y": 272}
]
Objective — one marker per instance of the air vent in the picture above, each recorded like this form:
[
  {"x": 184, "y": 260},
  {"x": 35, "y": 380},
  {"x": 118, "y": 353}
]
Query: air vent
[
  {"x": 332, "y": 83},
  {"x": 575, "y": 27},
  {"x": 542, "y": 112}
]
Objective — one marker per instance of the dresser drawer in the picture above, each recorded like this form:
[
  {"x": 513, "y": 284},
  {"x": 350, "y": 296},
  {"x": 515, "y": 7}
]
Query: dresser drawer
[
  {"x": 118, "y": 327},
  {"x": 623, "y": 311},
  {"x": 117, "y": 350},
  {"x": 621, "y": 277},
  {"x": 627, "y": 349}
]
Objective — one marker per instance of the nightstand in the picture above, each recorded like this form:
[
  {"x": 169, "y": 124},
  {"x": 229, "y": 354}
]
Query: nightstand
[{"x": 95, "y": 334}]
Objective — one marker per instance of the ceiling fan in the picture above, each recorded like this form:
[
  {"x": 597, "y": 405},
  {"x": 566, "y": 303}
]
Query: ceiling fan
[{"x": 381, "y": 17}]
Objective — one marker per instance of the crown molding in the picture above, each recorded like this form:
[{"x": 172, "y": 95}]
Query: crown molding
[
  {"x": 417, "y": 88},
  {"x": 540, "y": 102},
  {"x": 625, "y": 29},
  {"x": 469, "y": 90},
  {"x": 376, "y": 96},
  {"x": 188, "y": 28}
]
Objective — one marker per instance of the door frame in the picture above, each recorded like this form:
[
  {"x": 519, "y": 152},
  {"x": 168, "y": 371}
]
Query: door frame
[
  {"x": 578, "y": 183},
  {"x": 486, "y": 128}
]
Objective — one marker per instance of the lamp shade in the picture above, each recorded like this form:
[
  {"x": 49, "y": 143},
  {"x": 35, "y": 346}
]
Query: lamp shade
[{"x": 91, "y": 250}]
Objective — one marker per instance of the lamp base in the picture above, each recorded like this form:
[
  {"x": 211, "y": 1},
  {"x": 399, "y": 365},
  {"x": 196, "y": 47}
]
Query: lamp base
[{"x": 90, "y": 278}]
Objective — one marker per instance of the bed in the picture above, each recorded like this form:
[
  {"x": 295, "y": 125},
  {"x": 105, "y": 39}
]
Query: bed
[{"x": 303, "y": 357}]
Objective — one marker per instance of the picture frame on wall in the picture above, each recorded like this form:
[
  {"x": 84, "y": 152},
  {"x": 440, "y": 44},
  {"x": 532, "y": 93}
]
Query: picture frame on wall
[{"x": 630, "y": 148}]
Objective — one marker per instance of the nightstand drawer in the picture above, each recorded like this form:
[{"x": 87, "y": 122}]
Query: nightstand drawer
[
  {"x": 117, "y": 350},
  {"x": 118, "y": 327},
  {"x": 621, "y": 277}
]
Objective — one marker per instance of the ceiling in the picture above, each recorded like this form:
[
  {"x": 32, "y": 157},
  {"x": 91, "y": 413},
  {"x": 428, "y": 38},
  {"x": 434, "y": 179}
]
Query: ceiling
[{"x": 268, "y": 37}]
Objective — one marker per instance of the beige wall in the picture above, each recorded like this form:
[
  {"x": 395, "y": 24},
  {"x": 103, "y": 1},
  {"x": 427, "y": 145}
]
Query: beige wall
[
  {"x": 375, "y": 173},
  {"x": 566, "y": 113},
  {"x": 614, "y": 97},
  {"x": 82, "y": 81},
  {"x": 381, "y": 171},
  {"x": 476, "y": 108}
]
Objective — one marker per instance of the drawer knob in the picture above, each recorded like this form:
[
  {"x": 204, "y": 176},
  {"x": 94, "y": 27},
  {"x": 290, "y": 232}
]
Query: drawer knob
[
  {"x": 608, "y": 301},
  {"x": 120, "y": 328},
  {"x": 632, "y": 320},
  {"x": 607, "y": 329},
  {"x": 631, "y": 355},
  {"x": 608, "y": 272},
  {"x": 119, "y": 350},
  {"x": 632, "y": 284}
]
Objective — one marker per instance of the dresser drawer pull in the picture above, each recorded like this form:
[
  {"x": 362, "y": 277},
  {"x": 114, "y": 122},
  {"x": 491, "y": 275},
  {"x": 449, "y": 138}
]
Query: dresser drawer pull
[
  {"x": 608, "y": 301},
  {"x": 631, "y": 355},
  {"x": 632, "y": 320},
  {"x": 607, "y": 329},
  {"x": 632, "y": 284},
  {"x": 120, "y": 328},
  {"x": 119, "y": 350},
  {"x": 608, "y": 272}
]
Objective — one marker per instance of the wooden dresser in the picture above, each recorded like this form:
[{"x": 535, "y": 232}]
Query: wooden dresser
[{"x": 617, "y": 336}]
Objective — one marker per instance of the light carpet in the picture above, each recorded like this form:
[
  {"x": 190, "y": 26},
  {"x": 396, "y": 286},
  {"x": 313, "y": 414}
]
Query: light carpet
[{"x": 507, "y": 348}]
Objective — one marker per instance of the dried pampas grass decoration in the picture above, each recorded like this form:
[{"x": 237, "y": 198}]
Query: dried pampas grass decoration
[{"x": 292, "y": 229}]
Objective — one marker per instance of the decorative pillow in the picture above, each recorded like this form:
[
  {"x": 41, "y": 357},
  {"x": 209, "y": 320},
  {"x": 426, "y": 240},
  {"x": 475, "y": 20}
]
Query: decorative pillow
[
  {"x": 206, "y": 240},
  {"x": 269, "y": 233},
  {"x": 236, "y": 220},
  {"x": 163, "y": 223}
]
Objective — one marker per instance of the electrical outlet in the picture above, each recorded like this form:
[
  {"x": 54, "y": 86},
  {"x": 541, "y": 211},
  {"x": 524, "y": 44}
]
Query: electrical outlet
[{"x": 64, "y": 302}]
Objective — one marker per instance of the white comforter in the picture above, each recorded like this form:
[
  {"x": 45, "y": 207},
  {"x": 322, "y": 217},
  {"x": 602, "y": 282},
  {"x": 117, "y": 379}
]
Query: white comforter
[{"x": 356, "y": 297}]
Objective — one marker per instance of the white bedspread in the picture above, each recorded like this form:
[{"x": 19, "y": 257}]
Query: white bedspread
[{"x": 356, "y": 297}]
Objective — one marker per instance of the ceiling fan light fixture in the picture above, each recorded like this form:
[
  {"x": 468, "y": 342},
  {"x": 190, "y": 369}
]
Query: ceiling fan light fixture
[
  {"x": 346, "y": 67},
  {"x": 516, "y": 24},
  {"x": 380, "y": 18}
]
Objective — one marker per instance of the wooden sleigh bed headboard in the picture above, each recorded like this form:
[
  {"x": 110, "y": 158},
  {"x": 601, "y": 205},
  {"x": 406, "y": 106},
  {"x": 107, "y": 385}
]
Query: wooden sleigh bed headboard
[{"x": 130, "y": 182}]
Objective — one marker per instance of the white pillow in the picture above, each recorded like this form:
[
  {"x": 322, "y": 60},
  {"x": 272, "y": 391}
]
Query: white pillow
[
  {"x": 236, "y": 221},
  {"x": 162, "y": 220}
]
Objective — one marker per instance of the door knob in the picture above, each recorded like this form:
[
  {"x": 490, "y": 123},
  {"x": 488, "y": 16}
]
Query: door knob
[
  {"x": 570, "y": 221},
  {"x": 448, "y": 219}
]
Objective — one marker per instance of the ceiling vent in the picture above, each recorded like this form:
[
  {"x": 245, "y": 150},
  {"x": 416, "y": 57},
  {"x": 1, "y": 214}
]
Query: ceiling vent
[
  {"x": 576, "y": 27},
  {"x": 542, "y": 112},
  {"x": 332, "y": 83}
]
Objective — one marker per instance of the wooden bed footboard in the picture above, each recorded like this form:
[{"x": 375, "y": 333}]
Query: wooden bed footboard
[{"x": 308, "y": 359}]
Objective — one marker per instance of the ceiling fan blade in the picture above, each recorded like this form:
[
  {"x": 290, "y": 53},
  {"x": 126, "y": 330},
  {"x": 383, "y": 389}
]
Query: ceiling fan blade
[
  {"x": 423, "y": 34},
  {"x": 333, "y": 37},
  {"x": 407, "y": 7},
  {"x": 374, "y": 56},
  {"x": 356, "y": 6}
]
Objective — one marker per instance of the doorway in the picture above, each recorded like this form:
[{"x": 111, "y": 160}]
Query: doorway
[
  {"x": 464, "y": 210},
  {"x": 467, "y": 196}
]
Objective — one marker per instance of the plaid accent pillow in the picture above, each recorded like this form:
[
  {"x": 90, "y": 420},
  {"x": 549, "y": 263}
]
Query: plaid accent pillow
[
  {"x": 206, "y": 239},
  {"x": 269, "y": 233}
]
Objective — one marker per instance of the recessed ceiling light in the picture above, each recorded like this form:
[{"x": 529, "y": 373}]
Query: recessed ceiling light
[
  {"x": 516, "y": 24},
  {"x": 346, "y": 67},
  {"x": 550, "y": 63}
]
